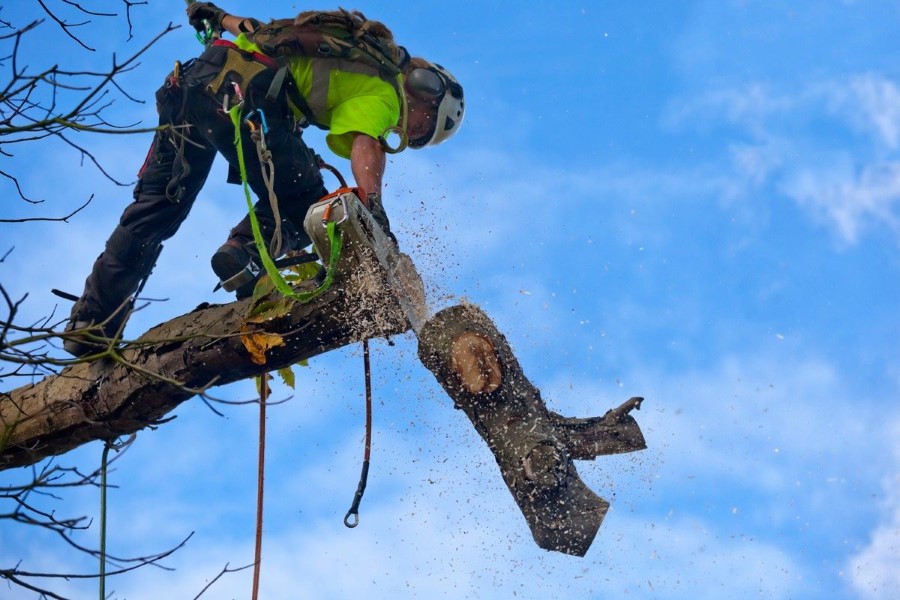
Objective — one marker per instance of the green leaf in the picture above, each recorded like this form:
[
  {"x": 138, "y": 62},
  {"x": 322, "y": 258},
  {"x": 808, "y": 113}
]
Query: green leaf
[
  {"x": 287, "y": 376},
  {"x": 270, "y": 309},
  {"x": 264, "y": 287},
  {"x": 306, "y": 270},
  {"x": 258, "y": 380}
]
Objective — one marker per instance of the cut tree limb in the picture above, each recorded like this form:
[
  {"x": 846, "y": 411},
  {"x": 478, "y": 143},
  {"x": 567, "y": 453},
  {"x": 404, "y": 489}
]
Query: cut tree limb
[{"x": 534, "y": 447}]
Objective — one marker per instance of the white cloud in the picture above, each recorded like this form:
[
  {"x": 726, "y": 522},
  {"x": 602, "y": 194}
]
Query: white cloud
[
  {"x": 873, "y": 102},
  {"x": 852, "y": 200},
  {"x": 850, "y": 183},
  {"x": 453, "y": 533},
  {"x": 875, "y": 569}
]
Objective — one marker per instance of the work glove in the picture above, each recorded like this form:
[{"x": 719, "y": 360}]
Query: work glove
[
  {"x": 198, "y": 12},
  {"x": 376, "y": 208}
]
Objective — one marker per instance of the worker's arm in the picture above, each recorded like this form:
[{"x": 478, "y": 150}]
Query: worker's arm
[
  {"x": 238, "y": 25},
  {"x": 198, "y": 12},
  {"x": 367, "y": 161}
]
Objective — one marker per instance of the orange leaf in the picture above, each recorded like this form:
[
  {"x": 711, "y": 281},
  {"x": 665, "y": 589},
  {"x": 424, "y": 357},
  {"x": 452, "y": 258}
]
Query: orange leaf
[{"x": 258, "y": 342}]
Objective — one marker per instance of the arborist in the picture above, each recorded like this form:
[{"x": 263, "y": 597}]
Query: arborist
[{"x": 283, "y": 81}]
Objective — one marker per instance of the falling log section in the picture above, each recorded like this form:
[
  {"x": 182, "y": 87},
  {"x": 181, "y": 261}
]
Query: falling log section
[{"x": 533, "y": 446}]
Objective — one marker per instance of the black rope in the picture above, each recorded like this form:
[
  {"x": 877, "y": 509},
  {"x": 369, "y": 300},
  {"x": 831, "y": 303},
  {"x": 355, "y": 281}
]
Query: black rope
[{"x": 351, "y": 520}]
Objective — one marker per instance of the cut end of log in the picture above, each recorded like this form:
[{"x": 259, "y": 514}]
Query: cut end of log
[
  {"x": 475, "y": 362},
  {"x": 569, "y": 521}
]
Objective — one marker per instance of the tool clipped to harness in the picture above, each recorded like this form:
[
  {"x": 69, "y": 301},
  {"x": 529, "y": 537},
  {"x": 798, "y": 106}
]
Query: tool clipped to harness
[
  {"x": 258, "y": 133},
  {"x": 237, "y": 91},
  {"x": 263, "y": 124}
]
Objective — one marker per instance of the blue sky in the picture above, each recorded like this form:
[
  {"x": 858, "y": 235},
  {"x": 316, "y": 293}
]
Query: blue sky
[{"x": 696, "y": 202}]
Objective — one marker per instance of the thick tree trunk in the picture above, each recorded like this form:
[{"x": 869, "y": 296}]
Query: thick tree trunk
[
  {"x": 104, "y": 399},
  {"x": 534, "y": 447}
]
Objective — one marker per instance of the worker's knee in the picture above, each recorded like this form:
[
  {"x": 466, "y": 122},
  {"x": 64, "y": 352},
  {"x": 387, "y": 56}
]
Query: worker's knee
[{"x": 129, "y": 249}]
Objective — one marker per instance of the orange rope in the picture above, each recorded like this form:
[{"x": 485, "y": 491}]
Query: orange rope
[{"x": 261, "y": 467}]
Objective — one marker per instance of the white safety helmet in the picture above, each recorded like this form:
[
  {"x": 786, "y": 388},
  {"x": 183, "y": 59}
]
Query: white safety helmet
[{"x": 431, "y": 82}]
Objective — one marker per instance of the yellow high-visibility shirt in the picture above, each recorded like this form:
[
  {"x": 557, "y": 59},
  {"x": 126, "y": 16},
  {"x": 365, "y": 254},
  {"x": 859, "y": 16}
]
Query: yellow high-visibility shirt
[{"x": 352, "y": 103}]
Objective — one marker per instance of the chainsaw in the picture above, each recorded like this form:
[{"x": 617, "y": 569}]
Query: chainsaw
[{"x": 362, "y": 237}]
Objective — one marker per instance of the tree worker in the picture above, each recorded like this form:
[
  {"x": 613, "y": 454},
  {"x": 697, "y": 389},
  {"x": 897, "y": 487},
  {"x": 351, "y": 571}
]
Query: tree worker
[{"x": 358, "y": 106}]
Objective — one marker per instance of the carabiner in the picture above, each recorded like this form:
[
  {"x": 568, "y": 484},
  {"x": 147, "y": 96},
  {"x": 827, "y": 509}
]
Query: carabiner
[
  {"x": 263, "y": 122},
  {"x": 237, "y": 91},
  {"x": 326, "y": 216}
]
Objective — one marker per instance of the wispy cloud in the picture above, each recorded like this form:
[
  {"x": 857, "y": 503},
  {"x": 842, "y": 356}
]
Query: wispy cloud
[
  {"x": 873, "y": 102},
  {"x": 875, "y": 569},
  {"x": 851, "y": 199},
  {"x": 830, "y": 146}
]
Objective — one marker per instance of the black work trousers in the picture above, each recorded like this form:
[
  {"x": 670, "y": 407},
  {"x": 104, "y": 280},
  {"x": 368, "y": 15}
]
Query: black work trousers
[{"x": 175, "y": 170}]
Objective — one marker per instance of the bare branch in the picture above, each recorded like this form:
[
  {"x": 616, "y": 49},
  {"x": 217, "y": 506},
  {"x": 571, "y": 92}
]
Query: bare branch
[
  {"x": 50, "y": 102},
  {"x": 87, "y": 11},
  {"x": 19, "y": 188},
  {"x": 225, "y": 570},
  {"x": 64, "y": 219},
  {"x": 66, "y": 26}
]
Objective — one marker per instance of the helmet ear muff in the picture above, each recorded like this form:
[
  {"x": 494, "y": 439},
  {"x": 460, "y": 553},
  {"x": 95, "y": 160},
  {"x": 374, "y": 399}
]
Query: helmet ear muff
[{"x": 427, "y": 84}]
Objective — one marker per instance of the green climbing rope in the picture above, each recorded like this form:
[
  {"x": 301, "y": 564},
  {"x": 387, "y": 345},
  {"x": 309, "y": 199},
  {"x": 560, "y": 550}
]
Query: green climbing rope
[
  {"x": 104, "y": 464},
  {"x": 334, "y": 234}
]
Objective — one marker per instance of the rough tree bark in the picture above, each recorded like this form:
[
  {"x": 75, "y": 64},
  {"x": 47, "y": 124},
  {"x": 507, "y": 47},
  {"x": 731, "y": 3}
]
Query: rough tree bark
[
  {"x": 534, "y": 447},
  {"x": 104, "y": 399}
]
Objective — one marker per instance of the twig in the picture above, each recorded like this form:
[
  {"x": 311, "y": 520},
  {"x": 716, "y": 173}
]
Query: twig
[
  {"x": 64, "y": 219},
  {"x": 225, "y": 570}
]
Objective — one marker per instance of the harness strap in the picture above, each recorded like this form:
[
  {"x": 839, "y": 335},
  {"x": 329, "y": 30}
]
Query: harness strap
[
  {"x": 277, "y": 83},
  {"x": 266, "y": 60},
  {"x": 284, "y": 80},
  {"x": 321, "y": 80},
  {"x": 242, "y": 63}
]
